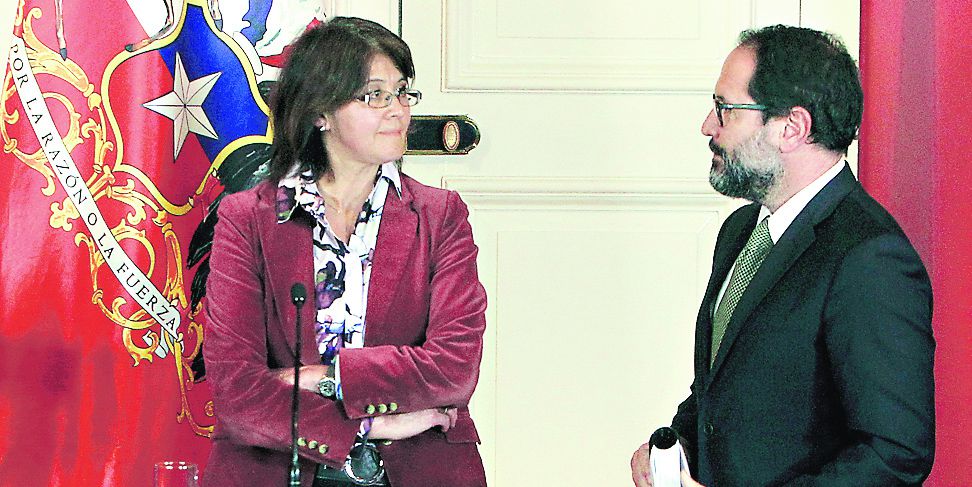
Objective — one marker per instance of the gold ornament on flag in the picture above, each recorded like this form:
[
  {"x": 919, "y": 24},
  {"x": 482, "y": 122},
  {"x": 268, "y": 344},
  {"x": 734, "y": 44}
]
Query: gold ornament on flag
[{"x": 150, "y": 329}]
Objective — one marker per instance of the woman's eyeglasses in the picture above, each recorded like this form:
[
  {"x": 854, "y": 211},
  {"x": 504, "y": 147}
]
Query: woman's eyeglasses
[{"x": 382, "y": 98}]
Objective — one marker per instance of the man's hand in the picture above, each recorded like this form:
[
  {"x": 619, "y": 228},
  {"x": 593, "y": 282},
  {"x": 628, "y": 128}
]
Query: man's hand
[
  {"x": 407, "y": 425},
  {"x": 688, "y": 481},
  {"x": 640, "y": 469}
]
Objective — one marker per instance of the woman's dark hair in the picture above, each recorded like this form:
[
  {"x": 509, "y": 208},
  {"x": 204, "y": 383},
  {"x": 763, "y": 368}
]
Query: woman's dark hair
[
  {"x": 327, "y": 67},
  {"x": 803, "y": 67}
]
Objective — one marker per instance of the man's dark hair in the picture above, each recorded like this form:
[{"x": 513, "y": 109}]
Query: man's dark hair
[
  {"x": 327, "y": 67},
  {"x": 796, "y": 66}
]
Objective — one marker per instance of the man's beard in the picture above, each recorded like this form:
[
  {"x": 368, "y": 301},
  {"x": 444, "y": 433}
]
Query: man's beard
[{"x": 753, "y": 170}]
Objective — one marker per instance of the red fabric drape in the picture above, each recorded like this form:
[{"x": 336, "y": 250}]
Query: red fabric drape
[
  {"x": 86, "y": 395},
  {"x": 916, "y": 66},
  {"x": 106, "y": 176}
]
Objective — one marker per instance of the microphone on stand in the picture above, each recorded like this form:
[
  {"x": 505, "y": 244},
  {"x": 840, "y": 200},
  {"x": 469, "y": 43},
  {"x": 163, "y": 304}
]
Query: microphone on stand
[{"x": 298, "y": 294}]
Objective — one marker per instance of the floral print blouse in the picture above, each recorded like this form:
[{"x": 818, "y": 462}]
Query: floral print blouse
[{"x": 341, "y": 270}]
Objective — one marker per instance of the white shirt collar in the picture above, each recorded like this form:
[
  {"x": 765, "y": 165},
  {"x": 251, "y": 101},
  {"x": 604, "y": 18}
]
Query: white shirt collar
[
  {"x": 389, "y": 170},
  {"x": 784, "y": 215}
]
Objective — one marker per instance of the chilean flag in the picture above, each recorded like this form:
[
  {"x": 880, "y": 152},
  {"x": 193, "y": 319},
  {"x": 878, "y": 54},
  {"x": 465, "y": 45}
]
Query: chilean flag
[{"x": 120, "y": 121}]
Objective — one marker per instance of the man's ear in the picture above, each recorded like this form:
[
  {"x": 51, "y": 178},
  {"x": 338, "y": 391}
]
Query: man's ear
[{"x": 796, "y": 130}]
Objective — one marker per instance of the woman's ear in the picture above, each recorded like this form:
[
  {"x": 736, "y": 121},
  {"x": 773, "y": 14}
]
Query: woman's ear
[{"x": 321, "y": 123}]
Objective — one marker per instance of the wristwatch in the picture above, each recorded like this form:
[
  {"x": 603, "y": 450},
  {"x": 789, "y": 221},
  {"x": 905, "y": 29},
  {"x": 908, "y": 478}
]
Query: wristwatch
[{"x": 327, "y": 387}]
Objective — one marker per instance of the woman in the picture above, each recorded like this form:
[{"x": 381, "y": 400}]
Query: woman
[{"x": 395, "y": 319}]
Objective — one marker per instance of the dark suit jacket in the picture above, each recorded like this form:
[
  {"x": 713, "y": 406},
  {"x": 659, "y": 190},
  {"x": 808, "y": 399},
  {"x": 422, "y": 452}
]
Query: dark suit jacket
[
  {"x": 824, "y": 376},
  {"x": 425, "y": 323}
]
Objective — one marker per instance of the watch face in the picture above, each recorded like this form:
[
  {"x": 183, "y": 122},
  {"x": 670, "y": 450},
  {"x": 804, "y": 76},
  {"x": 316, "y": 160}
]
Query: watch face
[{"x": 326, "y": 387}]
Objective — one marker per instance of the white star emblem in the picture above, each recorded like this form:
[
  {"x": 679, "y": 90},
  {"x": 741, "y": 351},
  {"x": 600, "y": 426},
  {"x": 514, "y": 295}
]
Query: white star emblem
[{"x": 184, "y": 105}]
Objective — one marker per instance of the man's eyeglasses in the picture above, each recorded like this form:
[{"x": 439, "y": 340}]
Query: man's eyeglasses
[
  {"x": 720, "y": 106},
  {"x": 382, "y": 98}
]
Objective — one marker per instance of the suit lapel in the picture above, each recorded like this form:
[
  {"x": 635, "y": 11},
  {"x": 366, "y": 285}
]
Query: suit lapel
[
  {"x": 793, "y": 243},
  {"x": 726, "y": 253},
  {"x": 289, "y": 254},
  {"x": 396, "y": 241},
  {"x": 777, "y": 262}
]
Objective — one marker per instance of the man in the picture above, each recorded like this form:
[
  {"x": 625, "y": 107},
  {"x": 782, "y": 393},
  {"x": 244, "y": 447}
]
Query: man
[{"x": 814, "y": 347}]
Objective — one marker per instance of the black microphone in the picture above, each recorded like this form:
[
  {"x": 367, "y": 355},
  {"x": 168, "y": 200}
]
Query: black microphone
[
  {"x": 298, "y": 294},
  {"x": 664, "y": 438}
]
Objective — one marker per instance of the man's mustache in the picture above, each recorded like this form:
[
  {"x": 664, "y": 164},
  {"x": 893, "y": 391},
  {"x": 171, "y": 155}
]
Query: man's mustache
[{"x": 719, "y": 151}]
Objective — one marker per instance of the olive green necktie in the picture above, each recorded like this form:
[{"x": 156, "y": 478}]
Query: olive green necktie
[{"x": 743, "y": 270}]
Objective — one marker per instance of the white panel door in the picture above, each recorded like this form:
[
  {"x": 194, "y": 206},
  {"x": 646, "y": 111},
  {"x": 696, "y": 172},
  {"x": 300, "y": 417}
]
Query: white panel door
[
  {"x": 591, "y": 207},
  {"x": 589, "y": 201}
]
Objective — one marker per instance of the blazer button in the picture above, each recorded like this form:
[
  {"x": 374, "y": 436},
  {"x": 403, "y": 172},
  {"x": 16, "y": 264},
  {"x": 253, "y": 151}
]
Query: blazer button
[
  {"x": 370, "y": 409},
  {"x": 322, "y": 449},
  {"x": 382, "y": 409},
  {"x": 393, "y": 407},
  {"x": 707, "y": 428},
  {"x": 312, "y": 444},
  {"x": 301, "y": 441}
]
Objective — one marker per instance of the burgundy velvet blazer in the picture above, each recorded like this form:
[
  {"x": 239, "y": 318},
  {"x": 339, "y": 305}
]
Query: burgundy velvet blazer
[{"x": 424, "y": 331}]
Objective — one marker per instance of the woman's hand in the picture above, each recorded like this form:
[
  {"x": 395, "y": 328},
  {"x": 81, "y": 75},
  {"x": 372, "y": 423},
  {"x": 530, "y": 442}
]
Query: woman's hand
[
  {"x": 388, "y": 427},
  {"x": 310, "y": 375},
  {"x": 407, "y": 425}
]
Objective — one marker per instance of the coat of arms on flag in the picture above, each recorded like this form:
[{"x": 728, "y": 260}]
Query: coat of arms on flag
[{"x": 123, "y": 124}]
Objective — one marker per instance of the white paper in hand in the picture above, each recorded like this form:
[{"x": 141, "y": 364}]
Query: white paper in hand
[{"x": 666, "y": 465}]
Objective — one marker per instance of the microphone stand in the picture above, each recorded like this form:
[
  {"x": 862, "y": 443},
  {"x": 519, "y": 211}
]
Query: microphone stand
[{"x": 298, "y": 294}]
